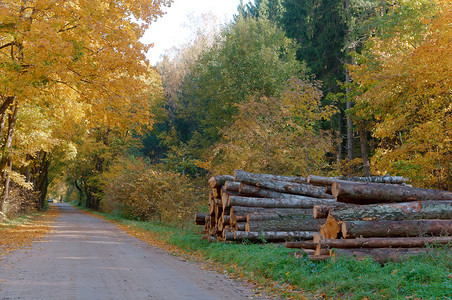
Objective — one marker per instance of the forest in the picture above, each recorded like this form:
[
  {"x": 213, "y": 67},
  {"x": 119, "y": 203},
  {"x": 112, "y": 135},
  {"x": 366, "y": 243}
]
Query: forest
[{"x": 289, "y": 87}]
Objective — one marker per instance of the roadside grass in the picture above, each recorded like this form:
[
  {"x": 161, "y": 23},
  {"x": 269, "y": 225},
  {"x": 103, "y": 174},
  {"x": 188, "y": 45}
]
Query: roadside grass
[{"x": 424, "y": 276}]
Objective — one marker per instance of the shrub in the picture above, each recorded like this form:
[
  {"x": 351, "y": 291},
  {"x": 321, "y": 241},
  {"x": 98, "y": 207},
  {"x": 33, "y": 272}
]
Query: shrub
[{"x": 137, "y": 190}]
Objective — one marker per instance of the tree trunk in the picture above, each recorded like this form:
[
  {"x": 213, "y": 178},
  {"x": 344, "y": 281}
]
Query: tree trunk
[
  {"x": 349, "y": 122},
  {"x": 364, "y": 151},
  {"x": 353, "y": 229},
  {"x": 367, "y": 193},
  {"x": 219, "y": 180},
  {"x": 401, "y": 242},
  {"x": 80, "y": 192},
  {"x": 255, "y": 178},
  {"x": 267, "y": 235},
  {"x": 273, "y": 203},
  {"x": 6, "y": 160},
  {"x": 395, "y": 211},
  {"x": 43, "y": 178},
  {"x": 284, "y": 225}
]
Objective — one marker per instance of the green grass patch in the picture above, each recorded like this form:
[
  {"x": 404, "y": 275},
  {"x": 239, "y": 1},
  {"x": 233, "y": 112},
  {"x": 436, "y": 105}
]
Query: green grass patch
[{"x": 424, "y": 276}]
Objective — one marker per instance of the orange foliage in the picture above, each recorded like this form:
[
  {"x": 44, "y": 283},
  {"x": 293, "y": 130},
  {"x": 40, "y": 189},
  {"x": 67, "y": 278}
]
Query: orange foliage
[{"x": 19, "y": 236}]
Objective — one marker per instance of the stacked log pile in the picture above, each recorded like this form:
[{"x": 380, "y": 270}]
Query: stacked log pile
[
  {"x": 262, "y": 207},
  {"x": 381, "y": 217},
  {"x": 388, "y": 221}
]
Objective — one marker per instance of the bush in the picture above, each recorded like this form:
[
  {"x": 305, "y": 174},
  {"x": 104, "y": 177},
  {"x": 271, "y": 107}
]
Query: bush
[{"x": 137, "y": 190}]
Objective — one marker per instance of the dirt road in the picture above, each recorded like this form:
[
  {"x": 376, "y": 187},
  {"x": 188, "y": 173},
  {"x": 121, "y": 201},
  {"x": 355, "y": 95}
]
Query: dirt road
[{"x": 88, "y": 258}]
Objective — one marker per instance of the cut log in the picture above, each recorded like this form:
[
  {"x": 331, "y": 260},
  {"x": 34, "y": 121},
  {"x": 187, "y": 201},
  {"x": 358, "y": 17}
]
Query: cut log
[
  {"x": 255, "y": 191},
  {"x": 219, "y": 180},
  {"x": 400, "y": 242},
  {"x": 284, "y": 225},
  {"x": 317, "y": 237},
  {"x": 200, "y": 218},
  {"x": 252, "y": 178},
  {"x": 328, "y": 190},
  {"x": 368, "y": 193},
  {"x": 267, "y": 235},
  {"x": 240, "y": 226},
  {"x": 351, "y": 229},
  {"x": 322, "y": 211},
  {"x": 293, "y": 188},
  {"x": 243, "y": 210},
  {"x": 318, "y": 257},
  {"x": 331, "y": 229},
  {"x": 231, "y": 186},
  {"x": 301, "y": 245},
  {"x": 395, "y": 211},
  {"x": 225, "y": 198},
  {"x": 276, "y": 217},
  {"x": 378, "y": 179},
  {"x": 321, "y": 180},
  {"x": 234, "y": 218},
  {"x": 306, "y": 202},
  {"x": 216, "y": 192},
  {"x": 381, "y": 255}
]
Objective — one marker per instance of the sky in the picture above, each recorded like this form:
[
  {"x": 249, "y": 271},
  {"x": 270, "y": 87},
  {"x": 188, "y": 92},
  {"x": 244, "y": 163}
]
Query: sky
[{"x": 172, "y": 30}]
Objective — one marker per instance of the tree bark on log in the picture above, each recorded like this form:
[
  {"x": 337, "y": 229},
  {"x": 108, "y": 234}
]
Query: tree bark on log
[
  {"x": 368, "y": 193},
  {"x": 231, "y": 186},
  {"x": 352, "y": 229},
  {"x": 274, "y": 216},
  {"x": 322, "y": 211},
  {"x": 380, "y": 255},
  {"x": 325, "y": 181},
  {"x": 401, "y": 242},
  {"x": 378, "y": 179},
  {"x": 234, "y": 218},
  {"x": 219, "y": 180},
  {"x": 282, "y": 212},
  {"x": 200, "y": 218},
  {"x": 253, "y": 178},
  {"x": 301, "y": 245},
  {"x": 395, "y": 211},
  {"x": 321, "y": 180},
  {"x": 293, "y": 188},
  {"x": 305, "y": 202},
  {"x": 267, "y": 235},
  {"x": 284, "y": 225},
  {"x": 251, "y": 190}
]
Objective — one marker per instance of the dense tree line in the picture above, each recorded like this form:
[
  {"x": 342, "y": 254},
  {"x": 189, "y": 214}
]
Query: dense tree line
[{"x": 232, "y": 92}]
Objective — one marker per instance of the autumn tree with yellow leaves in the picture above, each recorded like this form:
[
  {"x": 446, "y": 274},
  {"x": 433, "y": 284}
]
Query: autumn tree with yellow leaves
[
  {"x": 403, "y": 83},
  {"x": 65, "y": 64}
]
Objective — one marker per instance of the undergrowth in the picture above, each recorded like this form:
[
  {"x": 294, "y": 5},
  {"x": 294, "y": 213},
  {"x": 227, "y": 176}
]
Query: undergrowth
[{"x": 424, "y": 276}]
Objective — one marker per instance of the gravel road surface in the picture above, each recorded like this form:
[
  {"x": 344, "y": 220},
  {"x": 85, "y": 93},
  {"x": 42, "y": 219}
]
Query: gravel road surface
[{"x": 88, "y": 258}]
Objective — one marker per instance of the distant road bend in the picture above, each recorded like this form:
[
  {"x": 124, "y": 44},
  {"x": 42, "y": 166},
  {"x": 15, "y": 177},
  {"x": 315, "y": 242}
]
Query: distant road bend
[{"x": 89, "y": 258}]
